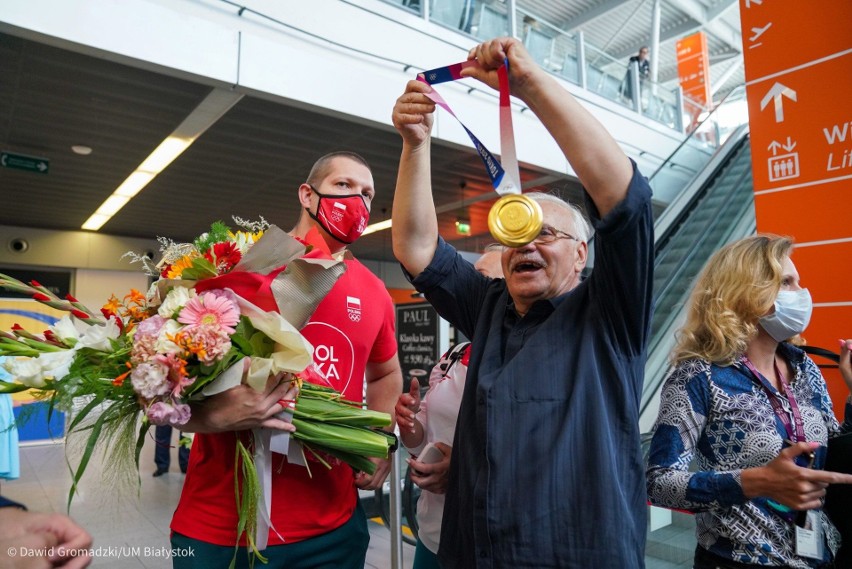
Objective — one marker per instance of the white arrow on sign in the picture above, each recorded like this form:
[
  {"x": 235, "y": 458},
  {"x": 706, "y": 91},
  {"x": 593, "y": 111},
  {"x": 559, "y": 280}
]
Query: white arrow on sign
[
  {"x": 41, "y": 166},
  {"x": 2, "y": 160},
  {"x": 774, "y": 95}
]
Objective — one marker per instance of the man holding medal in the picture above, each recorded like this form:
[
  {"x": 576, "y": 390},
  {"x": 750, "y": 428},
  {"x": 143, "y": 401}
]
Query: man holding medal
[{"x": 547, "y": 469}]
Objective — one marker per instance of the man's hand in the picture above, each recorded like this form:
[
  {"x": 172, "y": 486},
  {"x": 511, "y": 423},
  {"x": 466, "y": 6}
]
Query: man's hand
[
  {"x": 788, "y": 483},
  {"x": 243, "y": 407},
  {"x": 31, "y": 530},
  {"x": 491, "y": 55},
  {"x": 433, "y": 477},
  {"x": 413, "y": 114},
  {"x": 373, "y": 481}
]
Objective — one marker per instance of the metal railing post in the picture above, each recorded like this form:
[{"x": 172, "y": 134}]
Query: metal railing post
[
  {"x": 679, "y": 106},
  {"x": 581, "y": 60},
  {"x": 395, "y": 520}
]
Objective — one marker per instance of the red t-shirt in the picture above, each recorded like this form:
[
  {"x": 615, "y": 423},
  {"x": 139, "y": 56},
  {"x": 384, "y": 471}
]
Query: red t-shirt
[{"x": 352, "y": 325}]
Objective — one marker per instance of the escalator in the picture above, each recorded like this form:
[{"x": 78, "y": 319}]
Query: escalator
[{"x": 716, "y": 209}]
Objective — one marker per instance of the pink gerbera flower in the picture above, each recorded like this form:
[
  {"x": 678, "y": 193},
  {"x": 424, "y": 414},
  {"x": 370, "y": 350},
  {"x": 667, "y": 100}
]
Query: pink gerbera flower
[{"x": 210, "y": 310}]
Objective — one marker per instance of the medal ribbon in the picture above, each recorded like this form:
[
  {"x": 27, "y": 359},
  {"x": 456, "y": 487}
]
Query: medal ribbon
[
  {"x": 795, "y": 429},
  {"x": 505, "y": 177}
]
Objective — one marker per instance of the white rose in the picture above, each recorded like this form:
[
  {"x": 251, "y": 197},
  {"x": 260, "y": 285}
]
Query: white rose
[
  {"x": 164, "y": 345},
  {"x": 66, "y": 330},
  {"x": 98, "y": 336},
  {"x": 175, "y": 301},
  {"x": 26, "y": 370}
]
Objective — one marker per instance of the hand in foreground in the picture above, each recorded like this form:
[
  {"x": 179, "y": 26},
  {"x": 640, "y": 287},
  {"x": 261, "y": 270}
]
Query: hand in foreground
[
  {"x": 413, "y": 113},
  {"x": 38, "y": 531},
  {"x": 433, "y": 477},
  {"x": 407, "y": 406},
  {"x": 243, "y": 407},
  {"x": 491, "y": 54},
  {"x": 373, "y": 481},
  {"x": 787, "y": 483}
]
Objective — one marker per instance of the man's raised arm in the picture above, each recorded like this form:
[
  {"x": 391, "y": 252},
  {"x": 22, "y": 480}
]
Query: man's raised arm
[{"x": 415, "y": 223}]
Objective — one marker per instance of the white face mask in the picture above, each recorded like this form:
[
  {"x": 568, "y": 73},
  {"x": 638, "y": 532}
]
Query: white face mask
[{"x": 792, "y": 313}]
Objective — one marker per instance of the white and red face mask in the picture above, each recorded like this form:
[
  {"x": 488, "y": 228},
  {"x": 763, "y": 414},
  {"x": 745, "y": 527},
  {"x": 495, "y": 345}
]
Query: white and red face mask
[{"x": 343, "y": 217}]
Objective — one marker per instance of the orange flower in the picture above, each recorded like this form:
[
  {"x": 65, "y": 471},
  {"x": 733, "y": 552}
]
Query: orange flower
[
  {"x": 135, "y": 297},
  {"x": 178, "y": 267},
  {"x": 118, "y": 381},
  {"x": 112, "y": 305}
]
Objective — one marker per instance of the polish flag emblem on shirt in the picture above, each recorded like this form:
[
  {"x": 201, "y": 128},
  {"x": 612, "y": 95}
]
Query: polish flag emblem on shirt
[{"x": 353, "y": 307}]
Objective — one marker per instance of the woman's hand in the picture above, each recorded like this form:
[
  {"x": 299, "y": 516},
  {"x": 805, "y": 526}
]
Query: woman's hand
[
  {"x": 407, "y": 407},
  {"x": 787, "y": 483},
  {"x": 434, "y": 476}
]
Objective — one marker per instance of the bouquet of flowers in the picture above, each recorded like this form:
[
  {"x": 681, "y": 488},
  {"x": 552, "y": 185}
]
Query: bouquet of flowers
[{"x": 225, "y": 310}]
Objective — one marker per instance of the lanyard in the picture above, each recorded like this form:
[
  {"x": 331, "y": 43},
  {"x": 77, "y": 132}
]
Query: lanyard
[
  {"x": 514, "y": 219},
  {"x": 505, "y": 177},
  {"x": 796, "y": 429}
]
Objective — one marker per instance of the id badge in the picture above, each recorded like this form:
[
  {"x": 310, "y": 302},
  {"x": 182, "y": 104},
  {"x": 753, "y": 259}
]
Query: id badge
[{"x": 809, "y": 541}]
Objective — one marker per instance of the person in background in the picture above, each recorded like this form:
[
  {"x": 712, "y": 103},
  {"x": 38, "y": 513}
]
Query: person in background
[
  {"x": 638, "y": 64},
  {"x": 31, "y": 540},
  {"x": 547, "y": 462},
  {"x": 753, "y": 410},
  {"x": 433, "y": 421},
  {"x": 10, "y": 460},
  {"x": 163, "y": 450},
  {"x": 317, "y": 518}
]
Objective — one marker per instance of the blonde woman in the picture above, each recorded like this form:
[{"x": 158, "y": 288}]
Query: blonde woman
[{"x": 753, "y": 410}]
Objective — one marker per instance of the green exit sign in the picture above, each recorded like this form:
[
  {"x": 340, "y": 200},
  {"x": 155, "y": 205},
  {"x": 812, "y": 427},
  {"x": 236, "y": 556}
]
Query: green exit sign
[{"x": 22, "y": 162}]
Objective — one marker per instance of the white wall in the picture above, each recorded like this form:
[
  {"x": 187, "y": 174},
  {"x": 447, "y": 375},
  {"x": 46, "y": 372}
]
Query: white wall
[{"x": 208, "y": 41}]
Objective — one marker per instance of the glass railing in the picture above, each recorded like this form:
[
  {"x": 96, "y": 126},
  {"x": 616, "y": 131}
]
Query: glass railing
[
  {"x": 708, "y": 131},
  {"x": 564, "y": 54}
]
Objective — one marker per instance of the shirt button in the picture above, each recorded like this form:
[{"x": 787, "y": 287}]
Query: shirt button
[
  {"x": 480, "y": 400},
  {"x": 480, "y": 503},
  {"x": 482, "y": 554}
]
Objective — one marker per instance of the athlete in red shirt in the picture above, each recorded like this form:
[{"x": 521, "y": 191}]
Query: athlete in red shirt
[{"x": 316, "y": 518}]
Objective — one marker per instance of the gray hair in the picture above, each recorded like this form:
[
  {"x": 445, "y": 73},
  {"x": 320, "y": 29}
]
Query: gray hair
[{"x": 581, "y": 224}]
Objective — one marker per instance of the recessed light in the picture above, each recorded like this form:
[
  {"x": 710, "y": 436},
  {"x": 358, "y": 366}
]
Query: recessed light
[{"x": 81, "y": 150}]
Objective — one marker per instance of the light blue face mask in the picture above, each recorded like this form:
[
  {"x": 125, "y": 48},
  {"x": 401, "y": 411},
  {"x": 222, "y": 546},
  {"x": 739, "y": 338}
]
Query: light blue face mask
[{"x": 792, "y": 314}]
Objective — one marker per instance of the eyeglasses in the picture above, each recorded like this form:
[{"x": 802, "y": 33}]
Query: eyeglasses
[{"x": 549, "y": 234}]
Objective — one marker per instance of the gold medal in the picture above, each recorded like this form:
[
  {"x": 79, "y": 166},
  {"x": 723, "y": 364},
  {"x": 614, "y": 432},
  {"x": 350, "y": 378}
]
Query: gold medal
[{"x": 515, "y": 220}]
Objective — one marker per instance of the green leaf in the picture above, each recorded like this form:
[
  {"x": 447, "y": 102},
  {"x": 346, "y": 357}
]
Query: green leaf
[
  {"x": 201, "y": 269},
  {"x": 8, "y": 387},
  {"x": 87, "y": 454},
  {"x": 218, "y": 233},
  {"x": 261, "y": 345}
]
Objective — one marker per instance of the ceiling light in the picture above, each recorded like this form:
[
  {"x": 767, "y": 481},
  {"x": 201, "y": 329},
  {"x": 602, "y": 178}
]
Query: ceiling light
[
  {"x": 81, "y": 150},
  {"x": 210, "y": 110},
  {"x": 377, "y": 227}
]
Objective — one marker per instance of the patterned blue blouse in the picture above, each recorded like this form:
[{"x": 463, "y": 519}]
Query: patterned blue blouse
[{"x": 721, "y": 416}]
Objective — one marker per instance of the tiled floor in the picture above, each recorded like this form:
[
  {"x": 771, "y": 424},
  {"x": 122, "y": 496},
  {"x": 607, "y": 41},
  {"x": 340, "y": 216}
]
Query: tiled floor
[
  {"x": 133, "y": 527},
  {"x": 136, "y": 526}
]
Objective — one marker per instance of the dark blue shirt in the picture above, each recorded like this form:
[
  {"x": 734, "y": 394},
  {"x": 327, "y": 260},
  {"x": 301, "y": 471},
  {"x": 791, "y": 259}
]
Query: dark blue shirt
[{"x": 547, "y": 469}]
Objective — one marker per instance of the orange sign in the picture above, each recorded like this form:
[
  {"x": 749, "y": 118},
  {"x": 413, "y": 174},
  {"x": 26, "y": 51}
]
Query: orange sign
[
  {"x": 693, "y": 68},
  {"x": 798, "y": 64}
]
